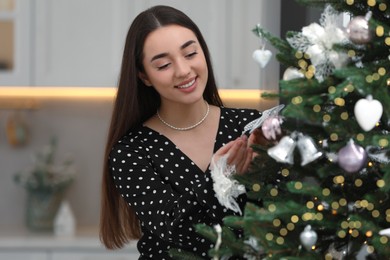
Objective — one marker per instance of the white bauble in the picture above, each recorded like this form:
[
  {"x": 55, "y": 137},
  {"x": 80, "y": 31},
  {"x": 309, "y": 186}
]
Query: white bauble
[{"x": 368, "y": 112}]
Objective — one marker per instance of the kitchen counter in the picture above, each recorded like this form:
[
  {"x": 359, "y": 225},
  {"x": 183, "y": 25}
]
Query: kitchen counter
[{"x": 17, "y": 243}]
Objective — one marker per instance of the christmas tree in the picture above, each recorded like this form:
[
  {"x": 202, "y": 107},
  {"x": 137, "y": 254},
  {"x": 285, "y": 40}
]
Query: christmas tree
[{"x": 320, "y": 188}]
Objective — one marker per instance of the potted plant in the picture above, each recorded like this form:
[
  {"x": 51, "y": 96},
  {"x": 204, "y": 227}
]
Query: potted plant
[{"x": 45, "y": 183}]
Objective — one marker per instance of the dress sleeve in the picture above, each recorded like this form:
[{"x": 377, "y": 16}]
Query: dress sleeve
[{"x": 160, "y": 208}]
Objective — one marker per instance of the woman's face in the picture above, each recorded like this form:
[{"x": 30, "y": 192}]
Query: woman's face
[{"x": 174, "y": 64}]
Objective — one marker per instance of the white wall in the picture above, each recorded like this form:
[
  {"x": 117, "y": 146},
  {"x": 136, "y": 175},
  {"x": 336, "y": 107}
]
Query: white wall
[{"x": 81, "y": 126}]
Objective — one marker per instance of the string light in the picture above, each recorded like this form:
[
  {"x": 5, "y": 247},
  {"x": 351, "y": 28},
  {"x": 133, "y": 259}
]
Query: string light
[
  {"x": 326, "y": 192},
  {"x": 317, "y": 108},
  {"x": 285, "y": 172},
  {"x": 326, "y": 118},
  {"x": 344, "y": 116},
  {"x": 290, "y": 226},
  {"x": 274, "y": 192},
  {"x": 360, "y": 137},
  {"x": 382, "y": 71},
  {"x": 294, "y": 219},
  {"x": 349, "y": 88},
  {"x": 334, "y": 137},
  {"x": 371, "y": 2},
  {"x": 341, "y": 234},
  {"x": 283, "y": 232},
  {"x": 339, "y": 101},
  {"x": 387, "y": 41},
  {"x": 331, "y": 90},
  {"x": 269, "y": 236},
  {"x": 276, "y": 222},
  {"x": 384, "y": 239},
  {"x": 298, "y": 185},
  {"x": 280, "y": 240},
  {"x": 256, "y": 187},
  {"x": 382, "y": 7},
  {"x": 358, "y": 182},
  {"x": 369, "y": 79},
  {"x": 380, "y": 31}
]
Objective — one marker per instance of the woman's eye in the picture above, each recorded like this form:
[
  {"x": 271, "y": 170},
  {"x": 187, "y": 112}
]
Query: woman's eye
[
  {"x": 163, "y": 66},
  {"x": 191, "y": 54}
]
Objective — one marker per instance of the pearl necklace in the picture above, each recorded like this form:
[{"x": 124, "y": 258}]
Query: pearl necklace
[{"x": 188, "y": 127}]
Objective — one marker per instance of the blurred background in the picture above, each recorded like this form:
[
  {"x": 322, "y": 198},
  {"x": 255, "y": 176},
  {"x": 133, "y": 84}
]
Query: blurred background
[{"x": 60, "y": 45}]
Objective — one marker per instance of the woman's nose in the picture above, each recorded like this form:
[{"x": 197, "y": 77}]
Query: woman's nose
[{"x": 182, "y": 68}]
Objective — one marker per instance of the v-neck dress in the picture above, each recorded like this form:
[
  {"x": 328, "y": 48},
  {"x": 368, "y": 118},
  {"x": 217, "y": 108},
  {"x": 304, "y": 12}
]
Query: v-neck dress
[{"x": 169, "y": 192}]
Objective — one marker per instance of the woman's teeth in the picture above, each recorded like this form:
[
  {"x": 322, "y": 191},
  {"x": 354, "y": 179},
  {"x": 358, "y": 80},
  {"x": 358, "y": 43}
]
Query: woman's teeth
[{"x": 189, "y": 84}]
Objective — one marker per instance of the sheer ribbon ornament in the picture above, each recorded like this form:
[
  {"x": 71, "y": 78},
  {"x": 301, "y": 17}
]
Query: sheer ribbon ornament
[
  {"x": 257, "y": 123},
  {"x": 226, "y": 188}
]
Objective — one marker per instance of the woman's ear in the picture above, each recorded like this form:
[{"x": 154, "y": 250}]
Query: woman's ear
[{"x": 144, "y": 79}]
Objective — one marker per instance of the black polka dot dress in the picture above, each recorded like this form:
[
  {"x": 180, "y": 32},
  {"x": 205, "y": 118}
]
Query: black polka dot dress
[{"x": 168, "y": 192}]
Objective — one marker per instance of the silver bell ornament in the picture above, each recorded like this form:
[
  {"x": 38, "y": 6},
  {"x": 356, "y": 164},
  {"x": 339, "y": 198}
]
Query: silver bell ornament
[
  {"x": 284, "y": 151},
  {"x": 308, "y": 238},
  {"x": 358, "y": 30},
  {"x": 307, "y": 149},
  {"x": 352, "y": 157}
]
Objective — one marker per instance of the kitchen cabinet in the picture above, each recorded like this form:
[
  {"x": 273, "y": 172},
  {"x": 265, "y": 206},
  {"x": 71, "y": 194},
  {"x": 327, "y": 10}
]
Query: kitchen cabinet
[
  {"x": 80, "y": 43},
  {"x": 24, "y": 256},
  {"x": 20, "y": 244},
  {"x": 15, "y": 48},
  {"x": 55, "y": 255},
  {"x": 93, "y": 256}
]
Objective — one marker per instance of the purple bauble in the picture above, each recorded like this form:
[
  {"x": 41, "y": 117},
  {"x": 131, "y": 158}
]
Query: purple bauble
[
  {"x": 352, "y": 157},
  {"x": 358, "y": 30},
  {"x": 271, "y": 127}
]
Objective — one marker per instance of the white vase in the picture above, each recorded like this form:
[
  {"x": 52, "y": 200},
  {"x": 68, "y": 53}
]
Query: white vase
[{"x": 64, "y": 222}]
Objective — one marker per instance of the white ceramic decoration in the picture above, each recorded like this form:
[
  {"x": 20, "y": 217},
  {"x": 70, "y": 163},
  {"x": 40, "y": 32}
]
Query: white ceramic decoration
[
  {"x": 368, "y": 112},
  {"x": 262, "y": 57}
]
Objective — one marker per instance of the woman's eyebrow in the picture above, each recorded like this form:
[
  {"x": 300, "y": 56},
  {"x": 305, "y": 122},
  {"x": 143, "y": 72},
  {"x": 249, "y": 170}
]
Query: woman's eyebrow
[
  {"x": 164, "y": 54},
  {"x": 185, "y": 45}
]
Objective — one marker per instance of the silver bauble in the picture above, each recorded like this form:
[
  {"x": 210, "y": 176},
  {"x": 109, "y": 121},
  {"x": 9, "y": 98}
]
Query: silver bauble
[
  {"x": 352, "y": 157},
  {"x": 358, "y": 30},
  {"x": 271, "y": 128},
  {"x": 308, "y": 238}
]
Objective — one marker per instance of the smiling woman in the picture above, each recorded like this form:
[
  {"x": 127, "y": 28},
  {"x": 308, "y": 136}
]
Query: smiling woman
[{"x": 167, "y": 127}]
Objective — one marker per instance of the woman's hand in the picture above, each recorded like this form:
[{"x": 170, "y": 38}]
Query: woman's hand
[
  {"x": 257, "y": 137},
  {"x": 239, "y": 152}
]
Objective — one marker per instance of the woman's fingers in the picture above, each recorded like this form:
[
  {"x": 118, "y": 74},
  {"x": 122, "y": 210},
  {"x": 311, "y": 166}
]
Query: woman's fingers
[
  {"x": 236, "y": 151},
  {"x": 239, "y": 152},
  {"x": 225, "y": 149}
]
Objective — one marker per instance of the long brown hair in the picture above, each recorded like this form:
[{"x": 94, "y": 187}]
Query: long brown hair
[{"x": 134, "y": 104}]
